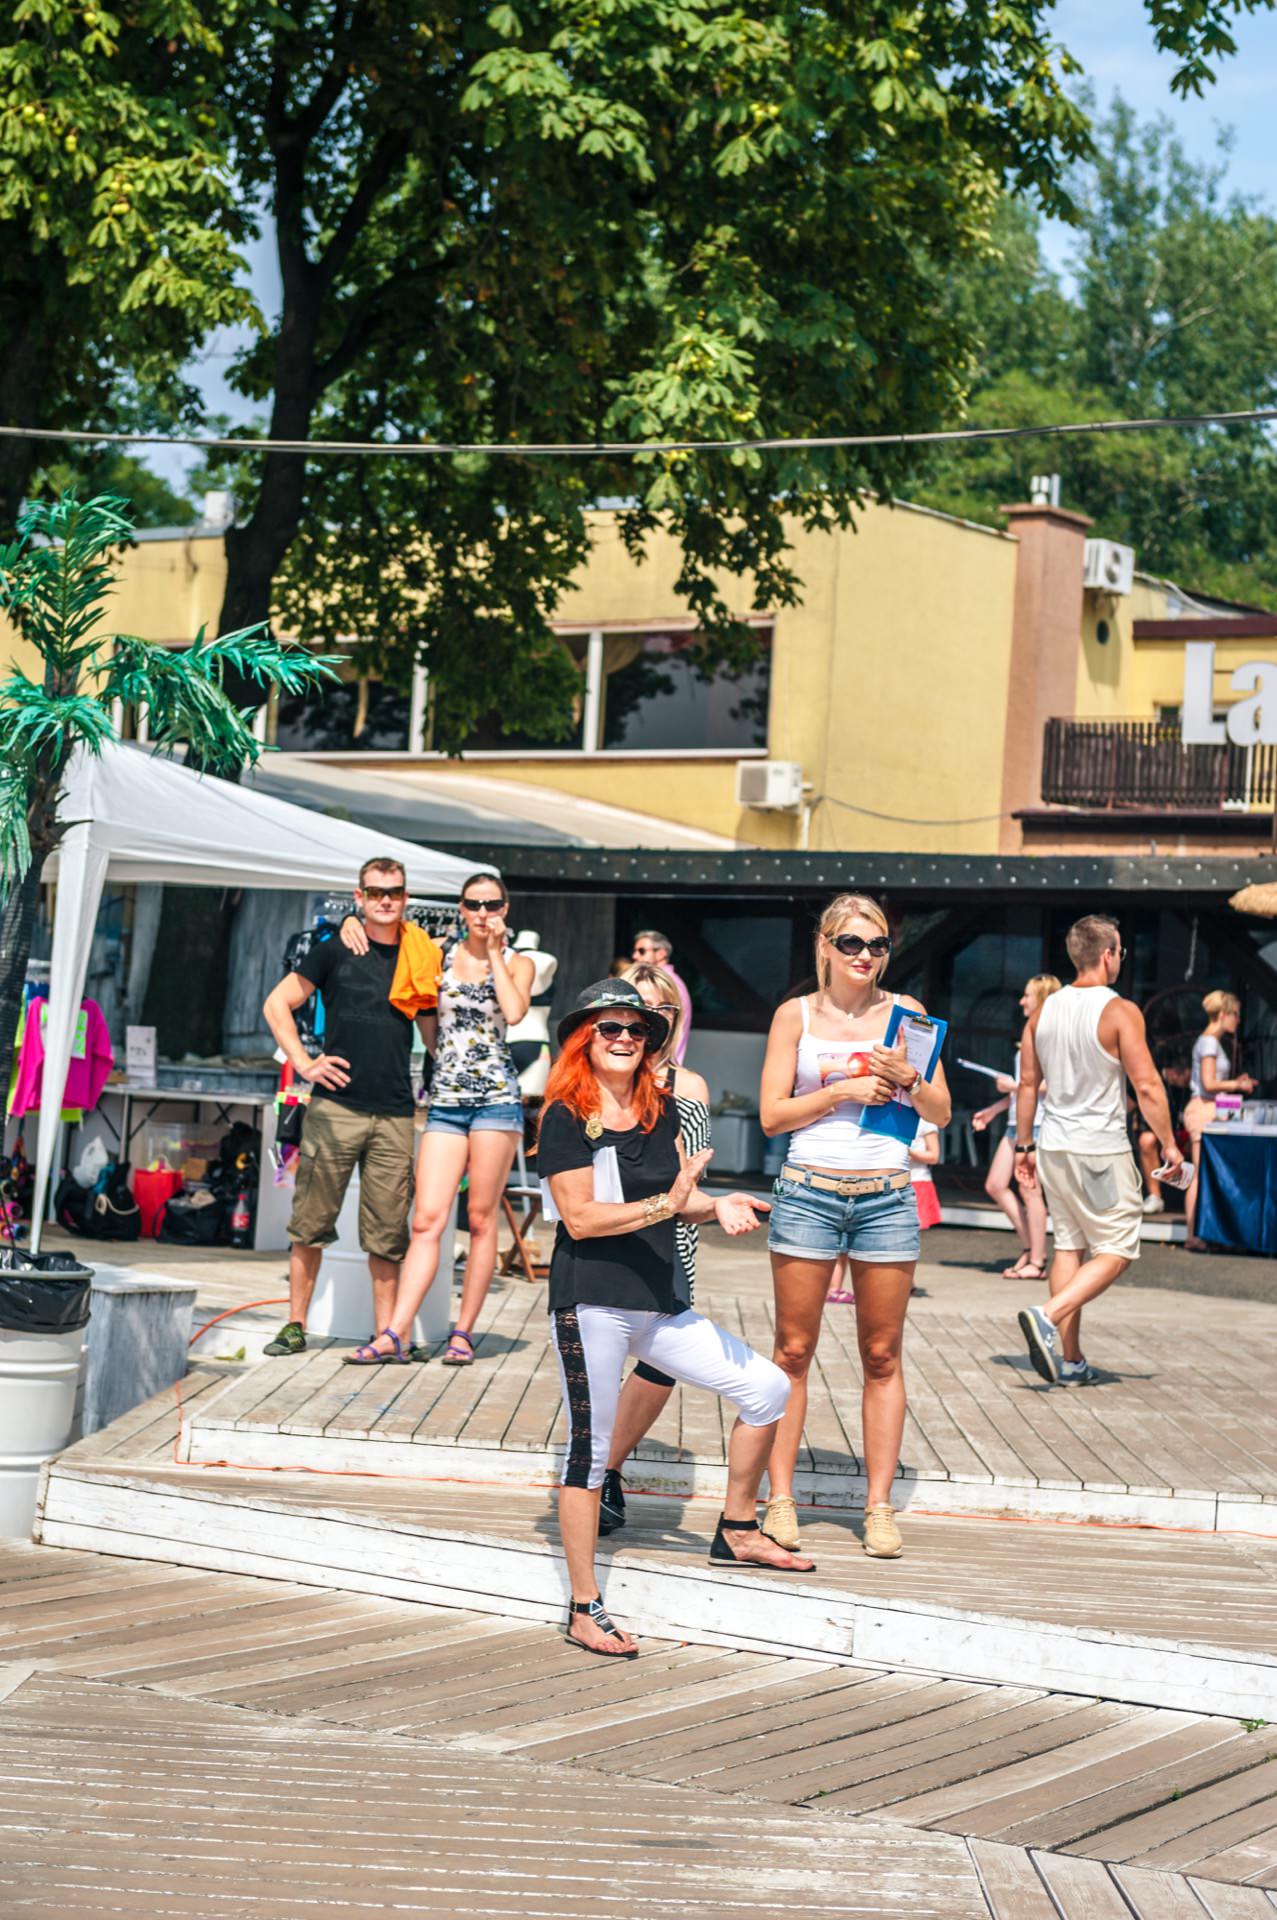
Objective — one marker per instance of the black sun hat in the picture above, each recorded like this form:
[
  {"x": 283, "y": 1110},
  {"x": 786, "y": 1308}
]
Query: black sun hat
[{"x": 610, "y": 994}]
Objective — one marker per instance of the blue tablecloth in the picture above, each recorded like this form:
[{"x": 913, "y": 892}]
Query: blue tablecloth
[{"x": 1237, "y": 1190}]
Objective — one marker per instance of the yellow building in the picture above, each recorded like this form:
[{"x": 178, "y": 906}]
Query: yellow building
[
  {"x": 983, "y": 726},
  {"x": 943, "y": 688}
]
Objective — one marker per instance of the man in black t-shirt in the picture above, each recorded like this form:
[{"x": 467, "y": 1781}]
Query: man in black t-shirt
[{"x": 361, "y": 1105}]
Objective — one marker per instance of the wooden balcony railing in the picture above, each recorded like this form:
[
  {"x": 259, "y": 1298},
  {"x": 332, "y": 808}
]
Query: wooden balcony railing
[{"x": 1143, "y": 763}]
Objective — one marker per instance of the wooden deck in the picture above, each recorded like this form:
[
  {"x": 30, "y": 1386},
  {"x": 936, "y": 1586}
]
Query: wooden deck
[
  {"x": 178, "y": 1742},
  {"x": 1179, "y": 1431},
  {"x": 1173, "y": 1620}
]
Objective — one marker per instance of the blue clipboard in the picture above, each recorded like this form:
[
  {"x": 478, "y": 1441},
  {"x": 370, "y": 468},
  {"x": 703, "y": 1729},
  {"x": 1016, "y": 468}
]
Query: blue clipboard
[{"x": 899, "y": 1117}]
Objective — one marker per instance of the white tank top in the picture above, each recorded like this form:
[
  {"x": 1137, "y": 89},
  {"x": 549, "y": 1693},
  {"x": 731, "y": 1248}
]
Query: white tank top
[
  {"x": 1085, "y": 1106},
  {"x": 837, "y": 1139}
]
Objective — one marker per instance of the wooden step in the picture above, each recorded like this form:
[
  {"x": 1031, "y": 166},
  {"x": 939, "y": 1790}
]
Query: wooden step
[{"x": 1153, "y": 1620}]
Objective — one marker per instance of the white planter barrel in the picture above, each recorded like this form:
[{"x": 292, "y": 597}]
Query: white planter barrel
[
  {"x": 342, "y": 1303},
  {"x": 39, "y": 1376}
]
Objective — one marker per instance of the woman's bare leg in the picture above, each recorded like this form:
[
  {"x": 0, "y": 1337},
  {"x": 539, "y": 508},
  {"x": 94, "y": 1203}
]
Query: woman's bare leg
[
  {"x": 801, "y": 1286},
  {"x": 491, "y": 1158},
  {"x": 1001, "y": 1188},
  {"x": 579, "y": 1532},
  {"x": 440, "y": 1165},
  {"x": 641, "y": 1405},
  {"x": 882, "y": 1299}
]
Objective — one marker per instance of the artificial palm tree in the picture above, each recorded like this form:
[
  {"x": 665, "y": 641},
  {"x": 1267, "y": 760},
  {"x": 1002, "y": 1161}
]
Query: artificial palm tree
[{"x": 56, "y": 579}]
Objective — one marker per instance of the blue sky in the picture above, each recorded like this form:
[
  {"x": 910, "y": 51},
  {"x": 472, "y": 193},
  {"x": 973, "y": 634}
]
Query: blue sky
[{"x": 1113, "y": 41}]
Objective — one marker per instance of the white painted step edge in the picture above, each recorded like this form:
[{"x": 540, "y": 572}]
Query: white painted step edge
[
  {"x": 157, "y": 1519},
  {"x": 254, "y": 1447}
]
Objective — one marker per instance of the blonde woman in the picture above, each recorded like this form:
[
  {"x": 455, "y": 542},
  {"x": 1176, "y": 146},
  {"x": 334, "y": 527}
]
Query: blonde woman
[
  {"x": 1211, "y": 1070},
  {"x": 843, "y": 1189},
  {"x": 1027, "y": 1214},
  {"x": 644, "y": 1396}
]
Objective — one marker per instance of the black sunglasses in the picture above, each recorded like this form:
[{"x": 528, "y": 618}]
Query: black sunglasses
[
  {"x": 611, "y": 1028},
  {"x": 851, "y": 944},
  {"x": 477, "y": 906}
]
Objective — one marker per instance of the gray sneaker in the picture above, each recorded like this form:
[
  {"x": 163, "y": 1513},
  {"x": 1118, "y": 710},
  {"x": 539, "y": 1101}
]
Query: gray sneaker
[
  {"x": 1077, "y": 1373},
  {"x": 1042, "y": 1341}
]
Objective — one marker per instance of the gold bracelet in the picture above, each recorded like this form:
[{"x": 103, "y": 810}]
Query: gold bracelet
[{"x": 656, "y": 1208}]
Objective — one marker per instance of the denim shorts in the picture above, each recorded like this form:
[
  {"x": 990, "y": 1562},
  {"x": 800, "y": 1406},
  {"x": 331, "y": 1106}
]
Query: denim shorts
[
  {"x": 503, "y": 1116},
  {"x": 878, "y": 1228}
]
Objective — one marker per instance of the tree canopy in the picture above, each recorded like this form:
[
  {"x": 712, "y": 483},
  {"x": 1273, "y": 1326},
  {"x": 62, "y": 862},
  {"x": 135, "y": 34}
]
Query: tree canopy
[
  {"x": 117, "y": 214},
  {"x": 543, "y": 220},
  {"x": 1172, "y": 310}
]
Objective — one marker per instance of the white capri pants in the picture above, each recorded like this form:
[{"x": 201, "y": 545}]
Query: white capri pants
[{"x": 593, "y": 1344}]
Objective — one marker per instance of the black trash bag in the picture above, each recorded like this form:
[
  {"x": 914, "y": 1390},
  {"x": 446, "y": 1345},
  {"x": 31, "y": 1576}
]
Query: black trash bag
[
  {"x": 106, "y": 1211},
  {"x": 43, "y": 1292}
]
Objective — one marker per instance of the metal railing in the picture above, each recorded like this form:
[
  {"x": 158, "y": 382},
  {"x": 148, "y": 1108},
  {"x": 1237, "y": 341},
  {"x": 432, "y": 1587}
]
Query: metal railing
[{"x": 1143, "y": 763}]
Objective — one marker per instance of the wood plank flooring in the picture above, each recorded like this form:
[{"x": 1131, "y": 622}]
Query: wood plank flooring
[
  {"x": 1178, "y": 1430},
  {"x": 209, "y": 1697}
]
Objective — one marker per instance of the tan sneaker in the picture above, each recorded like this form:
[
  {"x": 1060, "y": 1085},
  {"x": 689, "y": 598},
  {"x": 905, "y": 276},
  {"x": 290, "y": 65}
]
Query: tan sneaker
[
  {"x": 780, "y": 1523},
  {"x": 882, "y": 1535}
]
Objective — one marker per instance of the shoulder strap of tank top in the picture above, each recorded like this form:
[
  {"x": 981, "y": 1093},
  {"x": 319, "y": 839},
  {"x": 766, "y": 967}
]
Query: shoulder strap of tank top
[{"x": 802, "y": 1001}]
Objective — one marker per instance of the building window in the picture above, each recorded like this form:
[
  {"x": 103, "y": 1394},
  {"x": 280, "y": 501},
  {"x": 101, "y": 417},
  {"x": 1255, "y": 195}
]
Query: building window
[
  {"x": 655, "y": 696},
  {"x": 487, "y": 736},
  {"x": 354, "y": 714}
]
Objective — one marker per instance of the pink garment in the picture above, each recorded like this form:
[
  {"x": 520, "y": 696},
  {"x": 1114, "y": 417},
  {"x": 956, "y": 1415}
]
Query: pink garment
[{"x": 91, "y": 1060}]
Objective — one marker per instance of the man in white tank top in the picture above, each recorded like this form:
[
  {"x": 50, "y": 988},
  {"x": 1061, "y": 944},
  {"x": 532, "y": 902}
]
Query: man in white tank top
[{"x": 1084, "y": 1042}]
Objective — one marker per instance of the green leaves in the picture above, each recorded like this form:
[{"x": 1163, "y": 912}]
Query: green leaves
[{"x": 1172, "y": 314}]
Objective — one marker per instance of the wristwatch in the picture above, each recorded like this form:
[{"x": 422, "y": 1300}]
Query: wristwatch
[{"x": 1031, "y": 1148}]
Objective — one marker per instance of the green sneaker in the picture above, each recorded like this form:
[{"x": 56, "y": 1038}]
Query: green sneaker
[{"x": 291, "y": 1338}]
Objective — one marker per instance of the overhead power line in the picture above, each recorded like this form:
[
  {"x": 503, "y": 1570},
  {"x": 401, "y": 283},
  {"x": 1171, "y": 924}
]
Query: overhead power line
[{"x": 626, "y": 449}]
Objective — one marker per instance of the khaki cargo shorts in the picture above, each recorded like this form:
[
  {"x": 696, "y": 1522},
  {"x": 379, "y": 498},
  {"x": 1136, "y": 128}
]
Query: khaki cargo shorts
[
  {"x": 1095, "y": 1201},
  {"x": 336, "y": 1140}
]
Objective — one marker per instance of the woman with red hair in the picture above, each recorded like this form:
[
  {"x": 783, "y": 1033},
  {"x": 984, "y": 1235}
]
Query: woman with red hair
[{"x": 615, "y": 1177}]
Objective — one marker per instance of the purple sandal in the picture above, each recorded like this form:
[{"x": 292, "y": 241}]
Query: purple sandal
[
  {"x": 368, "y": 1356},
  {"x": 456, "y": 1356}
]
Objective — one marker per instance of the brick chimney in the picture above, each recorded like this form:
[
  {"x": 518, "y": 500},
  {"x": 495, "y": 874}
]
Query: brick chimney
[{"x": 1046, "y": 645}]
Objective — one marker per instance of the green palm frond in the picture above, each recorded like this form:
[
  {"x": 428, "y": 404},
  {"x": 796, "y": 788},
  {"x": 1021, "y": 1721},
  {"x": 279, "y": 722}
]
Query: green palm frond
[
  {"x": 33, "y": 721},
  {"x": 254, "y": 653},
  {"x": 15, "y": 841},
  {"x": 55, "y": 578}
]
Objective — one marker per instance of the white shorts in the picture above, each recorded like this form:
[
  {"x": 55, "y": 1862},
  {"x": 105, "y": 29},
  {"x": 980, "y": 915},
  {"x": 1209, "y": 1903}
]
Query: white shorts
[
  {"x": 593, "y": 1344},
  {"x": 1095, "y": 1201}
]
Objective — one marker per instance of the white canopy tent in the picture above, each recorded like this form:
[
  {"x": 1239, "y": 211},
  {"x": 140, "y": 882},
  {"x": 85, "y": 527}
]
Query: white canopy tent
[{"x": 140, "y": 817}]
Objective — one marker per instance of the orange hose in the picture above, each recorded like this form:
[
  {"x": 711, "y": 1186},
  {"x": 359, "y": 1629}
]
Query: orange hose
[{"x": 228, "y": 1315}]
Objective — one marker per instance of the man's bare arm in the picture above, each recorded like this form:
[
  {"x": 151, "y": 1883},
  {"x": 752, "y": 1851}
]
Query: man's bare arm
[
  {"x": 282, "y": 1002},
  {"x": 1122, "y": 1027}
]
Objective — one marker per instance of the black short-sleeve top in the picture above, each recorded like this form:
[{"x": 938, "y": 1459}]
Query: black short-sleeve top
[{"x": 638, "y": 1271}]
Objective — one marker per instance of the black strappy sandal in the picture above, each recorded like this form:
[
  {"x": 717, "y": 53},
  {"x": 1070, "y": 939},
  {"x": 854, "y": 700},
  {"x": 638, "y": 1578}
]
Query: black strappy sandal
[
  {"x": 721, "y": 1548},
  {"x": 603, "y": 1621}
]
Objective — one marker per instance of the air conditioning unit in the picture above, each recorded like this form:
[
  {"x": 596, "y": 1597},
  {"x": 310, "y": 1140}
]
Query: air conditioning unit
[
  {"x": 1108, "y": 567},
  {"x": 773, "y": 785}
]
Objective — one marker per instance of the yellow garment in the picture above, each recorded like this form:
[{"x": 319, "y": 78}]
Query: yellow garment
[{"x": 415, "y": 987}]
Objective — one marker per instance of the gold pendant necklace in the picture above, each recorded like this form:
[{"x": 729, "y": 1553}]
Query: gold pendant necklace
[{"x": 594, "y": 1128}]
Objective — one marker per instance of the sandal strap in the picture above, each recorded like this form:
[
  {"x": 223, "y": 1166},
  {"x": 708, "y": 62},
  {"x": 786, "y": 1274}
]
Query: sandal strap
[
  {"x": 459, "y": 1334},
  {"x": 388, "y": 1333},
  {"x": 740, "y": 1526},
  {"x": 597, "y": 1612}
]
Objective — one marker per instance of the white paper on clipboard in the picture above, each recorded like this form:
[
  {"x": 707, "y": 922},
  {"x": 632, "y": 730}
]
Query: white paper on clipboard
[
  {"x": 919, "y": 1036},
  {"x": 607, "y": 1184}
]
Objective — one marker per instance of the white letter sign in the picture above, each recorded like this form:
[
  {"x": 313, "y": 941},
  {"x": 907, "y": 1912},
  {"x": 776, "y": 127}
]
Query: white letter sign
[
  {"x": 1198, "y": 727},
  {"x": 1251, "y": 722}
]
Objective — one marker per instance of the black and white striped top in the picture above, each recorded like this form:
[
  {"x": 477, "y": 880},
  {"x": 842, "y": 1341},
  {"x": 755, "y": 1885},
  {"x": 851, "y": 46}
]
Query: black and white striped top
[{"x": 693, "y": 1120}]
